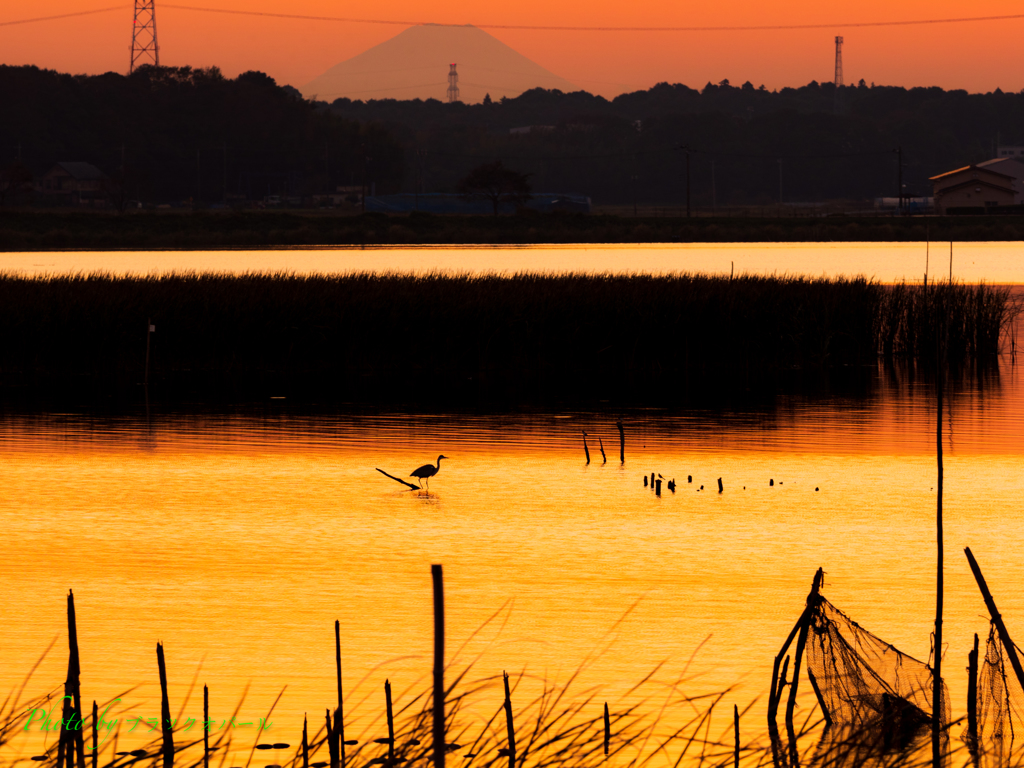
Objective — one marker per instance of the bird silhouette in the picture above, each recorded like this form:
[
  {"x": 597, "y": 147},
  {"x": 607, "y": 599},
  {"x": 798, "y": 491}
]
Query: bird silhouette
[{"x": 426, "y": 472}]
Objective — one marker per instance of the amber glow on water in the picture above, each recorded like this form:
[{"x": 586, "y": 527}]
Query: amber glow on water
[
  {"x": 237, "y": 541},
  {"x": 886, "y": 262}
]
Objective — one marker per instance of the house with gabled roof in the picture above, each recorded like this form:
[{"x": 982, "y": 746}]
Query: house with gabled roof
[
  {"x": 74, "y": 184},
  {"x": 972, "y": 186}
]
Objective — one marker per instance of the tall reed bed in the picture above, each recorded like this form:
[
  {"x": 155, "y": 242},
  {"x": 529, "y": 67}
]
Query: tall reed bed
[{"x": 461, "y": 338}]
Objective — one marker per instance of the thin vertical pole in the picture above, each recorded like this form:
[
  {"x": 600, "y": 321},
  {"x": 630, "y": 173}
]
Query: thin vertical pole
[
  {"x": 339, "y": 715},
  {"x": 688, "y": 183},
  {"x": 332, "y": 745},
  {"x": 95, "y": 734},
  {"x": 622, "y": 442},
  {"x": 165, "y": 709},
  {"x": 149, "y": 326},
  {"x": 305, "y": 742},
  {"x": 950, "y": 262},
  {"x": 439, "y": 747},
  {"x": 899, "y": 179},
  {"x": 607, "y": 730},
  {"x": 736, "y": 734},
  {"x": 972, "y": 694},
  {"x": 714, "y": 195},
  {"x": 391, "y": 723},
  {"x": 206, "y": 727},
  {"x": 510, "y": 727},
  {"x": 937, "y": 671},
  {"x": 74, "y": 679}
]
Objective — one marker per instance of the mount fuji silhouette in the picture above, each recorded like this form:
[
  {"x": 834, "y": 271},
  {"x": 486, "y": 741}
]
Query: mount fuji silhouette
[{"x": 414, "y": 65}]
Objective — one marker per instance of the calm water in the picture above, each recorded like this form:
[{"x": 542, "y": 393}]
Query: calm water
[
  {"x": 237, "y": 540},
  {"x": 972, "y": 262}
]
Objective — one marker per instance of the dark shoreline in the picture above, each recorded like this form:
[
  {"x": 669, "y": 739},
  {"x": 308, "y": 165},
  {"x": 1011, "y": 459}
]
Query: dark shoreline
[{"x": 60, "y": 230}]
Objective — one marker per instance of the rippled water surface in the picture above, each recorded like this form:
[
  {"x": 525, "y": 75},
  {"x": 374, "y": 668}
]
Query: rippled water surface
[
  {"x": 972, "y": 262},
  {"x": 238, "y": 539}
]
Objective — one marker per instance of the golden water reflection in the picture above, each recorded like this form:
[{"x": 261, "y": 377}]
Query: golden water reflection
[{"x": 237, "y": 540}]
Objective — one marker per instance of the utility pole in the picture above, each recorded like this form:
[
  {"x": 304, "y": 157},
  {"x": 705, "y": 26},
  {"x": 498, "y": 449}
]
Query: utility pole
[
  {"x": 199, "y": 179},
  {"x": 899, "y": 179},
  {"x": 688, "y": 209},
  {"x": 224, "y": 180},
  {"x": 714, "y": 196},
  {"x": 838, "y": 103},
  {"x": 780, "y": 185}
]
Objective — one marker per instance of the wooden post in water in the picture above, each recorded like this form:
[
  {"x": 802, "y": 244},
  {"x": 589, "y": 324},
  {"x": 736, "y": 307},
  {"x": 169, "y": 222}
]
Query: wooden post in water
[
  {"x": 95, "y": 734},
  {"x": 165, "y": 709},
  {"x": 73, "y": 687},
  {"x": 339, "y": 715},
  {"x": 607, "y": 730},
  {"x": 438, "y": 580},
  {"x": 805, "y": 623},
  {"x": 657, "y": 487},
  {"x": 937, "y": 666},
  {"x": 391, "y": 723},
  {"x": 305, "y": 742},
  {"x": 332, "y": 743},
  {"x": 720, "y": 486},
  {"x": 509, "y": 726},
  {"x": 206, "y": 727},
  {"x": 990, "y": 603},
  {"x": 585, "y": 449},
  {"x": 736, "y": 734},
  {"x": 972, "y": 695},
  {"x": 600, "y": 443},
  {"x": 622, "y": 442}
]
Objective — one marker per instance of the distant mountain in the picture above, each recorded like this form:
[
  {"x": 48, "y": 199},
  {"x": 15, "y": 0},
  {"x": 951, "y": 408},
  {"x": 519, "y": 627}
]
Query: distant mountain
[{"x": 414, "y": 65}]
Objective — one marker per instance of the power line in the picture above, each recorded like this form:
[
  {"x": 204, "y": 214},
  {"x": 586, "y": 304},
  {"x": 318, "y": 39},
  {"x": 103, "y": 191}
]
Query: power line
[
  {"x": 64, "y": 15},
  {"x": 544, "y": 28},
  {"x": 540, "y": 28}
]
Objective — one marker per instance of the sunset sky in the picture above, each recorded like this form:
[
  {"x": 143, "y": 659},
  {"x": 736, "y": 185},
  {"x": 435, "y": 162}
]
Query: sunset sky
[{"x": 977, "y": 56}]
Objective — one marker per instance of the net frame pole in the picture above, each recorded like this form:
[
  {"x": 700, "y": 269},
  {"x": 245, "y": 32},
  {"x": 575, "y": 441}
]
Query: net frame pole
[
  {"x": 972, "y": 694},
  {"x": 990, "y": 603},
  {"x": 801, "y": 642}
]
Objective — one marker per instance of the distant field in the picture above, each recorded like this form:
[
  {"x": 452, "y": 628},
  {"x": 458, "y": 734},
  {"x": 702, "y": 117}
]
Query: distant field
[{"x": 33, "y": 230}]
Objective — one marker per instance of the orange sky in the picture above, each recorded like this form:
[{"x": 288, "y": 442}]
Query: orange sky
[{"x": 978, "y": 56}]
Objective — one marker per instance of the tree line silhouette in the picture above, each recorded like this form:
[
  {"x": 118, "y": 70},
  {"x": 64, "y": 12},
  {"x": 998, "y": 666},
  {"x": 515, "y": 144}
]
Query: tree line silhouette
[{"x": 173, "y": 135}]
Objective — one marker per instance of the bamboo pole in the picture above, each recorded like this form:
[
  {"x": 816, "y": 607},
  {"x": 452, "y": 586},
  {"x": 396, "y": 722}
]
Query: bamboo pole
[
  {"x": 607, "y": 730},
  {"x": 939, "y": 586},
  {"x": 305, "y": 742},
  {"x": 600, "y": 444},
  {"x": 972, "y": 695},
  {"x": 165, "y": 709},
  {"x": 332, "y": 745},
  {"x": 438, "y": 581},
  {"x": 821, "y": 699},
  {"x": 736, "y": 733},
  {"x": 585, "y": 449},
  {"x": 75, "y": 682},
  {"x": 391, "y": 723},
  {"x": 622, "y": 442},
  {"x": 510, "y": 727},
  {"x": 812, "y": 601},
  {"x": 339, "y": 715},
  {"x": 95, "y": 734},
  {"x": 206, "y": 727},
  {"x": 990, "y": 603}
]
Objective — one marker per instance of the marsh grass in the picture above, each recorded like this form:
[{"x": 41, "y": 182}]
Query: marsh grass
[{"x": 466, "y": 339}]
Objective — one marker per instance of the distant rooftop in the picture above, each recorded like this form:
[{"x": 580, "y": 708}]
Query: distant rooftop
[{"x": 83, "y": 171}]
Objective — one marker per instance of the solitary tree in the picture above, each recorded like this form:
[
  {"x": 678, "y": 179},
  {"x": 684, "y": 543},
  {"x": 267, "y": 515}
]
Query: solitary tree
[{"x": 496, "y": 183}]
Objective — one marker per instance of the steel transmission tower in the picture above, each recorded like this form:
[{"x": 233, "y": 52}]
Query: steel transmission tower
[
  {"x": 144, "y": 47},
  {"x": 839, "y": 76},
  {"x": 453, "y": 85}
]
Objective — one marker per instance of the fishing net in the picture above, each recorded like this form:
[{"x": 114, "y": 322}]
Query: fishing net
[
  {"x": 865, "y": 685},
  {"x": 1000, "y": 708}
]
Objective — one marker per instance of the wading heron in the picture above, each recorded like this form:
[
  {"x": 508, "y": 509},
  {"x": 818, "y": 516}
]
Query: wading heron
[{"x": 427, "y": 471}]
